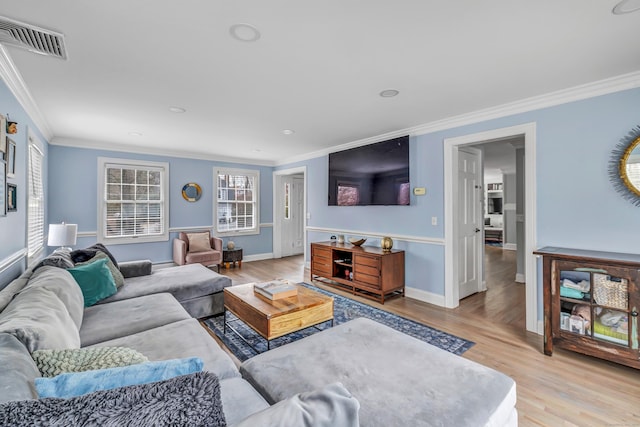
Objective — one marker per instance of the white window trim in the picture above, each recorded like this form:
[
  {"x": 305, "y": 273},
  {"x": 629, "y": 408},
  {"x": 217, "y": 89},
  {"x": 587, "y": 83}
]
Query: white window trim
[
  {"x": 34, "y": 141},
  {"x": 230, "y": 171},
  {"x": 102, "y": 162}
]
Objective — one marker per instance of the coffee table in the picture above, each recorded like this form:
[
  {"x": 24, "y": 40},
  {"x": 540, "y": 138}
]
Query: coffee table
[{"x": 273, "y": 319}]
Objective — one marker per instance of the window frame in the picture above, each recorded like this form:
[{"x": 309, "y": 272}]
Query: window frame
[
  {"x": 103, "y": 164},
  {"x": 34, "y": 253},
  {"x": 256, "y": 201}
]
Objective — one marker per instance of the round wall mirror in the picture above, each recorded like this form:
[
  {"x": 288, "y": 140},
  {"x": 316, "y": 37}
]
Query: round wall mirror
[
  {"x": 630, "y": 166},
  {"x": 624, "y": 167},
  {"x": 191, "y": 192}
]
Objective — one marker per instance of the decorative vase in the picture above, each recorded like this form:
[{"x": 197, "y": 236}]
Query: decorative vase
[
  {"x": 386, "y": 244},
  {"x": 340, "y": 238},
  {"x": 230, "y": 245}
]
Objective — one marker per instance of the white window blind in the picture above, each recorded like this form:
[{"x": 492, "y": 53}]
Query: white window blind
[
  {"x": 134, "y": 201},
  {"x": 35, "y": 202},
  {"x": 237, "y": 208}
]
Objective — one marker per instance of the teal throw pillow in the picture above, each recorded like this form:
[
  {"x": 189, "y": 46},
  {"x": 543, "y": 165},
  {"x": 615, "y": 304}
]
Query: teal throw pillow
[
  {"x": 79, "y": 383},
  {"x": 95, "y": 281}
]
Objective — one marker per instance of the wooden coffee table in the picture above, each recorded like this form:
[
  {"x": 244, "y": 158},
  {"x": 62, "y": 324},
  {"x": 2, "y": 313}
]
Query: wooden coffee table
[{"x": 273, "y": 319}]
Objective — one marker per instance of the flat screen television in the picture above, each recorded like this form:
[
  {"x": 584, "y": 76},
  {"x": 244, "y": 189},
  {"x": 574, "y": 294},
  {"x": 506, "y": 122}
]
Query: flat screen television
[{"x": 374, "y": 174}]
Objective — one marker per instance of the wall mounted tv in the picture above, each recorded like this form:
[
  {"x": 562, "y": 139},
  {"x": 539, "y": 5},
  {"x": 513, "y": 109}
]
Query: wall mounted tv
[{"x": 374, "y": 174}]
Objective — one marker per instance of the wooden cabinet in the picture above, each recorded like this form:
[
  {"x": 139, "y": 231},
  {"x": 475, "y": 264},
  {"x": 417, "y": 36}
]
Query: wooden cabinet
[
  {"x": 363, "y": 270},
  {"x": 591, "y": 302}
]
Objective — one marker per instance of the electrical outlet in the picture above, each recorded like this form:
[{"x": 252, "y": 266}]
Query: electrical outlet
[{"x": 434, "y": 220}]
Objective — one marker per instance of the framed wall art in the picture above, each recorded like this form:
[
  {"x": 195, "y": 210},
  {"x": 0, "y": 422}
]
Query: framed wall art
[
  {"x": 11, "y": 158},
  {"x": 12, "y": 198},
  {"x": 3, "y": 188}
]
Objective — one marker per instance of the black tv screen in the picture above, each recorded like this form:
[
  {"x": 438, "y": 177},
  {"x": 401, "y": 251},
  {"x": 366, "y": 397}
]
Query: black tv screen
[{"x": 374, "y": 174}]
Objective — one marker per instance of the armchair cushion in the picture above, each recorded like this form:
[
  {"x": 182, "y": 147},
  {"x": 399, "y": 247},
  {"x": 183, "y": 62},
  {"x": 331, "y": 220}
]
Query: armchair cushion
[{"x": 199, "y": 242}]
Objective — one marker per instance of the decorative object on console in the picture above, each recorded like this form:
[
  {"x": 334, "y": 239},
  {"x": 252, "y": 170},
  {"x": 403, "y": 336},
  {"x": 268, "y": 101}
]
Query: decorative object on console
[
  {"x": 12, "y": 198},
  {"x": 624, "y": 166},
  {"x": 340, "y": 238},
  {"x": 386, "y": 243},
  {"x": 191, "y": 192},
  {"x": 356, "y": 242},
  {"x": 275, "y": 289},
  {"x": 62, "y": 235}
]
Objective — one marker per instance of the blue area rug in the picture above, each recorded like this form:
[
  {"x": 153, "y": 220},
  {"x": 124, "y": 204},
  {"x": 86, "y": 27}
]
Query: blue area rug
[{"x": 344, "y": 309}]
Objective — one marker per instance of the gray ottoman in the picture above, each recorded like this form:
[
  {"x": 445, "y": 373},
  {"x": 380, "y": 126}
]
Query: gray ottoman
[{"x": 398, "y": 380}]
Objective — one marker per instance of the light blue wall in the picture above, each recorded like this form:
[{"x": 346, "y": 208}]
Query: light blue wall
[
  {"x": 13, "y": 227},
  {"x": 73, "y": 198},
  {"x": 576, "y": 203}
]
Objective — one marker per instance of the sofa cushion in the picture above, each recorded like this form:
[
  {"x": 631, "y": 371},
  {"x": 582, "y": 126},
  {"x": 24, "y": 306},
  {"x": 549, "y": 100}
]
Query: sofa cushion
[
  {"x": 54, "y": 362},
  {"x": 115, "y": 272},
  {"x": 17, "y": 370},
  {"x": 184, "y": 401},
  {"x": 240, "y": 400},
  {"x": 186, "y": 338},
  {"x": 62, "y": 283},
  {"x": 103, "y": 322},
  {"x": 199, "y": 241},
  {"x": 78, "y": 383},
  {"x": 95, "y": 281},
  {"x": 40, "y": 320},
  {"x": 420, "y": 382},
  {"x": 329, "y": 406},
  {"x": 60, "y": 258},
  {"x": 184, "y": 282}
]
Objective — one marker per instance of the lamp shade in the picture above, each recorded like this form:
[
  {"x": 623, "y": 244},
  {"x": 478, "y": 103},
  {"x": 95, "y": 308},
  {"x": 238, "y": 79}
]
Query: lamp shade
[{"x": 62, "y": 234}]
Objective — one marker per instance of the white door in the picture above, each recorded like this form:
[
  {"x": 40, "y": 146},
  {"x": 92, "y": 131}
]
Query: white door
[
  {"x": 469, "y": 222},
  {"x": 292, "y": 220}
]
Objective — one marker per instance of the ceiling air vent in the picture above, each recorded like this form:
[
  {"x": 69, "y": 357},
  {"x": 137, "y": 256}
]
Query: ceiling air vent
[{"x": 32, "y": 38}]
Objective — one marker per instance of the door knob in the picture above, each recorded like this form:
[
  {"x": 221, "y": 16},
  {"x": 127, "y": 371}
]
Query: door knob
[{"x": 477, "y": 230}]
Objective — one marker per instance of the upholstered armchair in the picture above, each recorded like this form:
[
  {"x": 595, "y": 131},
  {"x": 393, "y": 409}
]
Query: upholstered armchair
[{"x": 198, "y": 247}]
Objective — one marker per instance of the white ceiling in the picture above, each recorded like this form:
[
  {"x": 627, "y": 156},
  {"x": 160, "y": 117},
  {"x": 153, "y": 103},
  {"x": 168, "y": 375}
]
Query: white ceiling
[{"x": 317, "y": 69}]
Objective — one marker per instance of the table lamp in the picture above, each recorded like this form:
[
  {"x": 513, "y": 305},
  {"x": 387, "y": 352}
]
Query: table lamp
[{"x": 62, "y": 235}]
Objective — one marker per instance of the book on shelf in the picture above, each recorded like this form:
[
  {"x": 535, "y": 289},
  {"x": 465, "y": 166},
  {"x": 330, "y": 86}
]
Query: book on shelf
[{"x": 275, "y": 289}]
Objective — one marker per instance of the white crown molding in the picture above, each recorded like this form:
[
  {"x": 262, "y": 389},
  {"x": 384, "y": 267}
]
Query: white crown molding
[
  {"x": 12, "y": 77},
  {"x": 110, "y": 146},
  {"x": 564, "y": 96}
]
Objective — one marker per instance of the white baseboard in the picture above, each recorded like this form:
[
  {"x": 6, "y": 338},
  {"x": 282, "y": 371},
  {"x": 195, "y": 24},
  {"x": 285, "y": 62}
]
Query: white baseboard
[
  {"x": 520, "y": 278},
  {"x": 257, "y": 257},
  {"x": 510, "y": 247},
  {"x": 425, "y": 296}
]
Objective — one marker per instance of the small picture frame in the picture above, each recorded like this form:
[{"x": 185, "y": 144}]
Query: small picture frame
[
  {"x": 3, "y": 134},
  {"x": 12, "y": 198},
  {"x": 3, "y": 188},
  {"x": 11, "y": 158}
]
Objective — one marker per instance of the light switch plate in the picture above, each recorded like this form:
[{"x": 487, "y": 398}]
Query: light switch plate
[{"x": 419, "y": 191}]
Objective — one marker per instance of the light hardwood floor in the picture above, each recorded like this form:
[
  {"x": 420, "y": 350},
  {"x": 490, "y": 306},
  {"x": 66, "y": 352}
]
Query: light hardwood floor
[{"x": 566, "y": 389}]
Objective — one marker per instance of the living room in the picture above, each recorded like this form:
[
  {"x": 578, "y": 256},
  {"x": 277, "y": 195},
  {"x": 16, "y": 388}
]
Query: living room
[{"x": 577, "y": 120}]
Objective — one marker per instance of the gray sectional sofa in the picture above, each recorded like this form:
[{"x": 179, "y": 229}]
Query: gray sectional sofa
[{"x": 396, "y": 380}]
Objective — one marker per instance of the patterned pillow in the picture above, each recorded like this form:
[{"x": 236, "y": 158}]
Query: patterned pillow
[{"x": 55, "y": 362}]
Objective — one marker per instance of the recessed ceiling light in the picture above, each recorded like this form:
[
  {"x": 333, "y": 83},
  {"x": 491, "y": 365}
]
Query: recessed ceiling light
[
  {"x": 288, "y": 132},
  {"x": 178, "y": 110},
  {"x": 626, "y": 6},
  {"x": 244, "y": 32},
  {"x": 135, "y": 134},
  {"x": 389, "y": 93}
]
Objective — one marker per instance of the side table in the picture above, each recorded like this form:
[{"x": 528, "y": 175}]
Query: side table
[{"x": 231, "y": 256}]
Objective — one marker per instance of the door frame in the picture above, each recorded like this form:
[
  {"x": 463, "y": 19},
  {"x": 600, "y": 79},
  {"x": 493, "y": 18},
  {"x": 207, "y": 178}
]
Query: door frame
[
  {"x": 451, "y": 145},
  {"x": 278, "y": 196}
]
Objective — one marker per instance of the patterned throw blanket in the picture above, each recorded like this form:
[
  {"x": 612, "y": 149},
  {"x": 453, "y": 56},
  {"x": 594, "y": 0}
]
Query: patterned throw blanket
[{"x": 188, "y": 400}]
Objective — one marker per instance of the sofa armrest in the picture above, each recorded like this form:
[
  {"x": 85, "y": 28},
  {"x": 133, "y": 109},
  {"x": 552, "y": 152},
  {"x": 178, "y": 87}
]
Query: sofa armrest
[
  {"x": 179, "y": 251},
  {"x": 135, "y": 268},
  {"x": 216, "y": 243}
]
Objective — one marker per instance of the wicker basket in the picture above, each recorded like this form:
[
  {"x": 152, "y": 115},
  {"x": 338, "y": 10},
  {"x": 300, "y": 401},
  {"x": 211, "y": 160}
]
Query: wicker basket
[{"x": 610, "y": 293}]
